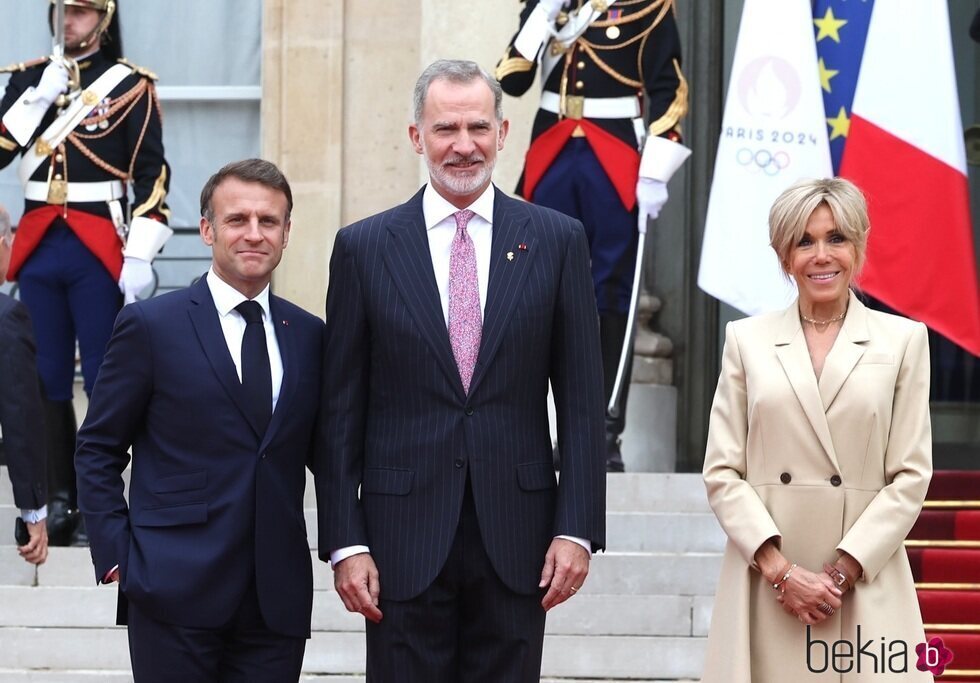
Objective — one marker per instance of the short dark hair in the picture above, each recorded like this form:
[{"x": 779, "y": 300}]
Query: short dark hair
[{"x": 250, "y": 171}]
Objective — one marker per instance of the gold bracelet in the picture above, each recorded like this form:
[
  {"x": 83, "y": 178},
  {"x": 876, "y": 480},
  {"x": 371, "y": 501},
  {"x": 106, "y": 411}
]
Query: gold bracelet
[{"x": 779, "y": 584}]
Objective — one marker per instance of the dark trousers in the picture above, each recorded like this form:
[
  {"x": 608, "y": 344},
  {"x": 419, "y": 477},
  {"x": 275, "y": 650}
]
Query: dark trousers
[
  {"x": 467, "y": 627},
  {"x": 69, "y": 294},
  {"x": 242, "y": 651},
  {"x": 577, "y": 185}
]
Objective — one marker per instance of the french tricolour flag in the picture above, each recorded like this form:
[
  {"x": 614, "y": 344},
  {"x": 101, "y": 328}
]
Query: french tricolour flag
[{"x": 905, "y": 150}]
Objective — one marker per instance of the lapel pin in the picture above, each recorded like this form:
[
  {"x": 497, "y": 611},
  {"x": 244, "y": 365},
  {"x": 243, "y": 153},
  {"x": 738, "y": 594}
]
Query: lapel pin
[
  {"x": 510, "y": 256},
  {"x": 286, "y": 323},
  {"x": 522, "y": 246}
]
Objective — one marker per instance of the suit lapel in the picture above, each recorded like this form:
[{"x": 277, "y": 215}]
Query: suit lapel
[
  {"x": 795, "y": 358},
  {"x": 287, "y": 351},
  {"x": 204, "y": 318},
  {"x": 846, "y": 352},
  {"x": 409, "y": 261},
  {"x": 509, "y": 266}
]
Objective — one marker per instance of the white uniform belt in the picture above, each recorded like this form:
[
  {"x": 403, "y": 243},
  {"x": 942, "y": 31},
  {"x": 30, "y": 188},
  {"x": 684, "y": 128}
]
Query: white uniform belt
[
  {"x": 105, "y": 191},
  {"x": 597, "y": 107}
]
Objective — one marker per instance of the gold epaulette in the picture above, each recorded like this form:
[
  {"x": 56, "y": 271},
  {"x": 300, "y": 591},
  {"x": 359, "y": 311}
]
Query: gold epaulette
[
  {"x": 141, "y": 70},
  {"x": 677, "y": 109},
  {"x": 510, "y": 65},
  {"x": 23, "y": 66}
]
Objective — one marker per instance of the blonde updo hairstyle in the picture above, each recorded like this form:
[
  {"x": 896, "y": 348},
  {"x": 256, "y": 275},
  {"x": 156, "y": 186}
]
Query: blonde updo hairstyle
[{"x": 792, "y": 209}]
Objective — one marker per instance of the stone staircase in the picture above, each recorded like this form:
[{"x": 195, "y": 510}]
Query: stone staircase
[{"x": 642, "y": 615}]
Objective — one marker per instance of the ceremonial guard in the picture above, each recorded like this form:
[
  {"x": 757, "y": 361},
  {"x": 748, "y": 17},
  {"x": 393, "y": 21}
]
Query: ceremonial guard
[
  {"x": 605, "y": 141},
  {"x": 86, "y": 124}
]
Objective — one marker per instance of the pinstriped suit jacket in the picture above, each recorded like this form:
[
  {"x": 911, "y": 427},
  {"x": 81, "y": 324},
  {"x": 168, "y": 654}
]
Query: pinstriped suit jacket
[{"x": 401, "y": 437}]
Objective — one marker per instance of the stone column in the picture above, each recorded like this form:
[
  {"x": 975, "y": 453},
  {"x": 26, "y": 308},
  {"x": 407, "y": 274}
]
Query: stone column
[{"x": 302, "y": 108}]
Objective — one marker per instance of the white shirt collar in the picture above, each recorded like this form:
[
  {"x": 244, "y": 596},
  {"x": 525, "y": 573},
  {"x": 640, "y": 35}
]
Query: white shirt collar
[
  {"x": 436, "y": 209},
  {"x": 227, "y": 297}
]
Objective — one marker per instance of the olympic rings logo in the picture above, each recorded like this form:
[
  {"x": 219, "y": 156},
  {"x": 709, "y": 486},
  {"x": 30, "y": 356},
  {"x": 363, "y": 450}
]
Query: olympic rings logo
[{"x": 763, "y": 160}]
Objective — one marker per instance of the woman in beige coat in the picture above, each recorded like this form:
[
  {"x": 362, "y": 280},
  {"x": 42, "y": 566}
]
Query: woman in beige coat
[{"x": 818, "y": 460}]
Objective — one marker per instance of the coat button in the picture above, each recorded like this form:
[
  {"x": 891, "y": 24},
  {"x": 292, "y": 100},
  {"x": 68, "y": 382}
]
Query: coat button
[
  {"x": 835, "y": 480},
  {"x": 458, "y": 463},
  {"x": 469, "y": 412},
  {"x": 785, "y": 478}
]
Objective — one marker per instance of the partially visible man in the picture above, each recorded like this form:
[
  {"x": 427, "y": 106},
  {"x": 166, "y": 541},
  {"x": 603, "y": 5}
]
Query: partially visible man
[
  {"x": 449, "y": 315},
  {"x": 83, "y": 136},
  {"x": 20, "y": 413},
  {"x": 216, "y": 388}
]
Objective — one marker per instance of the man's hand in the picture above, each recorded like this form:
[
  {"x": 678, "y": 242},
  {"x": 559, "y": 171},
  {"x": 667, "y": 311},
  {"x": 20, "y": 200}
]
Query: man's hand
[
  {"x": 565, "y": 567},
  {"x": 136, "y": 276},
  {"x": 651, "y": 195},
  {"x": 36, "y": 550},
  {"x": 54, "y": 81},
  {"x": 356, "y": 581}
]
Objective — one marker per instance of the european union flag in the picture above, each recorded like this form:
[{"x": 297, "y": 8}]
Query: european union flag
[{"x": 841, "y": 27}]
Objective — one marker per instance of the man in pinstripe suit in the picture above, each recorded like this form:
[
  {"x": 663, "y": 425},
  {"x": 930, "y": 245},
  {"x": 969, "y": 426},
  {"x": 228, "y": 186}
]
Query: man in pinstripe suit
[{"x": 449, "y": 315}]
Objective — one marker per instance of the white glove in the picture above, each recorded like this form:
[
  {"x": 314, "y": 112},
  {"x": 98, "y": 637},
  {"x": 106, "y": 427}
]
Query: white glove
[
  {"x": 54, "y": 81},
  {"x": 651, "y": 195},
  {"x": 136, "y": 276},
  {"x": 552, "y": 8}
]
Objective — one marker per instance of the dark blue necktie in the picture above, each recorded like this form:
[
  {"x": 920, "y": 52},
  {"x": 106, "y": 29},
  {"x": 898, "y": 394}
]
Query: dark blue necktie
[{"x": 256, "y": 371}]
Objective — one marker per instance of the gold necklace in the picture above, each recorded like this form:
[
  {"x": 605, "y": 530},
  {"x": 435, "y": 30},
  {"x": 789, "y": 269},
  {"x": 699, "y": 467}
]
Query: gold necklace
[{"x": 823, "y": 323}]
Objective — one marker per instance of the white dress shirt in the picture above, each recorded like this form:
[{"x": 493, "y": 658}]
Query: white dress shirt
[
  {"x": 440, "y": 226},
  {"x": 233, "y": 324}
]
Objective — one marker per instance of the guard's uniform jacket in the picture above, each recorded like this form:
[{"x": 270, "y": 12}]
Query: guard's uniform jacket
[
  {"x": 596, "y": 86},
  {"x": 118, "y": 143}
]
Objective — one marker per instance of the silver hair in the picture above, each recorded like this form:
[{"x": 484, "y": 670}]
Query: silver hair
[
  {"x": 455, "y": 71},
  {"x": 5, "y": 235}
]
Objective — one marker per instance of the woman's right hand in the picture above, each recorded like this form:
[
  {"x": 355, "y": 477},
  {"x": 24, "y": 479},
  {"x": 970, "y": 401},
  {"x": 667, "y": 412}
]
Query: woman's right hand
[{"x": 804, "y": 592}]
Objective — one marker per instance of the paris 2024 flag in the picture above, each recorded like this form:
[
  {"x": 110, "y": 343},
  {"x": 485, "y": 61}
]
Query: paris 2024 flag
[
  {"x": 773, "y": 133},
  {"x": 905, "y": 150}
]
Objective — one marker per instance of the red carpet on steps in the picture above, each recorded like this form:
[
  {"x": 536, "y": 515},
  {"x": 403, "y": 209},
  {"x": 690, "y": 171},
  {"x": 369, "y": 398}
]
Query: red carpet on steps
[
  {"x": 951, "y": 612},
  {"x": 953, "y": 525}
]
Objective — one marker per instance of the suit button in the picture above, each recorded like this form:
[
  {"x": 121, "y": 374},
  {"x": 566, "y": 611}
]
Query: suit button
[
  {"x": 459, "y": 463},
  {"x": 469, "y": 412},
  {"x": 263, "y": 456},
  {"x": 835, "y": 480},
  {"x": 785, "y": 478}
]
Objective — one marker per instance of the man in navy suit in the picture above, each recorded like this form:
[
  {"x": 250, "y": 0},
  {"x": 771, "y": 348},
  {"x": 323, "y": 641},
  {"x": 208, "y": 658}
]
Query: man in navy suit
[
  {"x": 21, "y": 414},
  {"x": 216, "y": 389},
  {"x": 449, "y": 314}
]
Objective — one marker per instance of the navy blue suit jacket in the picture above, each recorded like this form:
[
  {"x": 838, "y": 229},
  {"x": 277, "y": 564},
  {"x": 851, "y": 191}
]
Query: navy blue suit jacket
[
  {"x": 212, "y": 501},
  {"x": 398, "y": 425},
  {"x": 21, "y": 414}
]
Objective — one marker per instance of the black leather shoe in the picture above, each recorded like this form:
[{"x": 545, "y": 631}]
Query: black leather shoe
[
  {"x": 614, "y": 457},
  {"x": 79, "y": 537},
  {"x": 61, "y": 521}
]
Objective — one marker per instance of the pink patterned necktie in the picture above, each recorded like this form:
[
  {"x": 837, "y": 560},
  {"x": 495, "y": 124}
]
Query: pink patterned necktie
[{"x": 465, "y": 319}]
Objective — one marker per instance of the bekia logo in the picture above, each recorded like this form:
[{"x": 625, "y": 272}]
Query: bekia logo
[
  {"x": 934, "y": 656},
  {"x": 874, "y": 655}
]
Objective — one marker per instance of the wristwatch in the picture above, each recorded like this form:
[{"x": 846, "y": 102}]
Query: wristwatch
[{"x": 837, "y": 576}]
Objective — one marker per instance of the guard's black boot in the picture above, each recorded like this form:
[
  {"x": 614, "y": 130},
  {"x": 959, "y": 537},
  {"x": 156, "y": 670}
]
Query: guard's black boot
[
  {"x": 59, "y": 423},
  {"x": 612, "y": 333}
]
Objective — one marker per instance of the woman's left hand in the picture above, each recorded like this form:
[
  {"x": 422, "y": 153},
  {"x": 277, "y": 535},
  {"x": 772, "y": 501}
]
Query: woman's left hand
[{"x": 810, "y": 597}]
